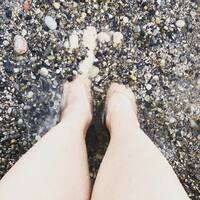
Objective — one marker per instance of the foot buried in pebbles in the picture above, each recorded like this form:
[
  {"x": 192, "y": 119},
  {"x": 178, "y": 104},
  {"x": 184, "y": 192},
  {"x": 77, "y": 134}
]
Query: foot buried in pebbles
[{"x": 151, "y": 46}]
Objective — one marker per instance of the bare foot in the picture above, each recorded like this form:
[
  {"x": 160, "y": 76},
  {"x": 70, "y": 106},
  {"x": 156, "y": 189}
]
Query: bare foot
[
  {"x": 120, "y": 106},
  {"x": 77, "y": 100}
]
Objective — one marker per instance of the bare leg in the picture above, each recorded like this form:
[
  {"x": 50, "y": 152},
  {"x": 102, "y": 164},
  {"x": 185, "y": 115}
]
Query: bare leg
[
  {"x": 133, "y": 168},
  {"x": 56, "y": 167}
]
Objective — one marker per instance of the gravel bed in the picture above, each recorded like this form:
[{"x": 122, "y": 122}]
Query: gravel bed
[{"x": 151, "y": 45}]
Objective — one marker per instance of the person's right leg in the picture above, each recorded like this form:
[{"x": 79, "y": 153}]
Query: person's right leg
[{"x": 133, "y": 168}]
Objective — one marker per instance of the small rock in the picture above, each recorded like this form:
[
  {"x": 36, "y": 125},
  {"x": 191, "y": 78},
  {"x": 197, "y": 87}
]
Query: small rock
[
  {"x": 8, "y": 67},
  {"x": 24, "y": 32},
  {"x": 194, "y": 124},
  {"x": 117, "y": 39},
  {"x": 73, "y": 41},
  {"x": 180, "y": 23},
  {"x": 20, "y": 45},
  {"x": 9, "y": 14},
  {"x": 137, "y": 29},
  {"x": 133, "y": 77},
  {"x": 56, "y": 5},
  {"x": 149, "y": 87},
  {"x": 13, "y": 141},
  {"x": 125, "y": 20},
  {"x": 104, "y": 37},
  {"x": 162, "y": 62},
  {"x": 157, "y": 21},
  {"x": 51, "y": 23},
  {"x": 93, "y": 72},
  {"x": 20, "y": 122},
  {"x": 44, "y": 71},
  {"x": 38, "y": 137},
  {"x": 83, "y": 16},
  {"x": 30, "y": 95},
  {"x": 6, "y": 43}
]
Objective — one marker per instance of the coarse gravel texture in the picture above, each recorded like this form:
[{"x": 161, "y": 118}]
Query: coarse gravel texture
[{"x": 158, "y": 59}]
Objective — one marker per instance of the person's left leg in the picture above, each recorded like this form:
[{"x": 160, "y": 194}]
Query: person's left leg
[{"x": 57, "y": 166}]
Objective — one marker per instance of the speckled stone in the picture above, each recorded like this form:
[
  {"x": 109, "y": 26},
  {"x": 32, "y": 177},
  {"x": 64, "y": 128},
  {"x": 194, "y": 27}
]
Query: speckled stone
[
  {"x": 20, "y": 45},
  {"x": 51, "y": 23}
]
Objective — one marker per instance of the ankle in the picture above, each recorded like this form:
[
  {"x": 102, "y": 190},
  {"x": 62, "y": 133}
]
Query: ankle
[{"x": 78, "y": 114}]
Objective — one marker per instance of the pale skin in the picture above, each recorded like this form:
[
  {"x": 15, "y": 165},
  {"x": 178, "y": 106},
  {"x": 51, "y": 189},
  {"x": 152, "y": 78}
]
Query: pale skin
[{"x": 57, "y": 166}]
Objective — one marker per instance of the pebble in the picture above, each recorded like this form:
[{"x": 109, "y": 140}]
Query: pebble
[
  {"x": 20, "y": 45},
  {"x": 137, "y": 29},
  {"x": 8, "y": 66},
  {"x": 20, "y": 122},
  {"x": 30, "y": 95},
  {"x": 125, "y": 20},
  {"x": 180, "y": 23},
  {"x": 51, "y": 23},
  {"x": 38, "y": 137},
  {"x": 44, "y": 72},
  {"x": 149, "y": 87},
  {"x": 24, "y": 32},
  {"x": 6, "y": 43},
  {"x": 93, "y": 72},
  {"x": 56, "y": 5},
  {"x": 117, "y": 39},
  {"x": 9, "y": 14},
  {"x": 104, "y": 37},
  {"x": 193, "y": 124}
]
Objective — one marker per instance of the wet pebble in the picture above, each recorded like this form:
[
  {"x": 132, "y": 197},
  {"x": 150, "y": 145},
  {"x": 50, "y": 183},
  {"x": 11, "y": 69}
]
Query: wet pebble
[
  {"x": 180, "y": 23},
  {"x": 149, "y": 87},
  {"x": 44, "y": 72},
  {"x": 104, "y": 37},
  {"x": 117, "y": 39},
  {"x": 50, "y": 22},
  {"x": 20, "y": 122},
  {"x": 93, "y": 72},
  {"x": 137, "y": 29},
  {"x": 20, "y": 45},
  {"x": 8, "y": 66},
  {"x": 30, "y": 95},
  {"x": 6, "y": 43},
  {"x": 9, "y": 13},
  {"x": 56, "y": 5}
]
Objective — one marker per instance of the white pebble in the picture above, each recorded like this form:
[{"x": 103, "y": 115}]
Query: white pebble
[
  {"x": 180, "y": 23},
  {"x": 50, "y": 22},
  {"x": 20, "y": 122},
  {"x": 193, "y": 124},
  {"x": 44, "y": 71},
  {"x": 104, "y": 37},
  {"x": 149, "y": 87},
  {"x": 24, "y": 32},
  {"x": 20, "y": 45},
  {"x": 56, "y": 5},
  {"x": 93, "y": 72},
  {"x": 117, "y": 39},
  {"x": 6, "y": 43},
  {"x": 125, "y": 19},
  {"x": 30, "y": 95},
  {"x": 38, "y": 137}
]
